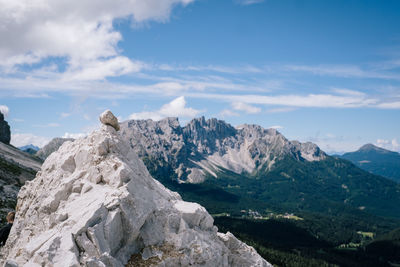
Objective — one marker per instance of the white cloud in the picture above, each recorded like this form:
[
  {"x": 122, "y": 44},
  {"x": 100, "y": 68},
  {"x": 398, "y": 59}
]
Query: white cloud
[
  {"x": 74, "y": 135},
  {"x": 280, "y": 110},
  {"x": 389, "y": 144},
  {"x": 48, "y": 125},
  {"x": 175, "y": 108},
  {"x": 240, "y": 106},
  {"x": 80, "y": 33},
  {"x": 5, "y": 110},
  {"x": 277, "y": 127},
  {"x": 389, "y": 105},
  {"x": 228, "y": 113},
  {"x": 310, "y": 100},
  {"x": 23, "y": 139},
  {"x": 248, "y": 2},
  {"x": 346, "y": 71},
  {"x": 348, "y": 92},
  {"x": 100, "y": 69}
]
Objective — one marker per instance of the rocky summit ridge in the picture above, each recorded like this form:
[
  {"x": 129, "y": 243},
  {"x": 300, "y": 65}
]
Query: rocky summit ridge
[
  {"x": 93, "y": 203},
  {"x": 204, "y": 147}
]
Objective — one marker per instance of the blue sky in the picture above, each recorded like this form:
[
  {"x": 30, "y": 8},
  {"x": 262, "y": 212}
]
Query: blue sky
[{"x": 320, "y": 71}]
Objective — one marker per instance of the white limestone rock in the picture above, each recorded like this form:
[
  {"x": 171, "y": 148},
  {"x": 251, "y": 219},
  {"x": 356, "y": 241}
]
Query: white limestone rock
[{"x": 94, "y": 203}]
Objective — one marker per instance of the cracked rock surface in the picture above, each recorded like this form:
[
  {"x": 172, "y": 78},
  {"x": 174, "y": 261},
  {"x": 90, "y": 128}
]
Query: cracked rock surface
[{"x": 93, "y": 203}]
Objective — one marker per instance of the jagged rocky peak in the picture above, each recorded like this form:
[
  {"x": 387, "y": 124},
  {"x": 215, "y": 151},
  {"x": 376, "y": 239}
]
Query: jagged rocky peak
[
  {"x": 160, "y": 140},
  {"x": 95, "y": 204},
  {"x": 254, "y": 130},
  {"x": 201, "y": 129},
  {"x": 5, "y": 133},
  {"x": 149, "y": 127}
]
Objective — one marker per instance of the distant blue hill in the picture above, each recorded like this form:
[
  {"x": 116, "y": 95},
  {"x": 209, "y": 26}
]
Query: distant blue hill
[
  {"x": 31, "y": 149},
  {"x": 376, "y": 160}
]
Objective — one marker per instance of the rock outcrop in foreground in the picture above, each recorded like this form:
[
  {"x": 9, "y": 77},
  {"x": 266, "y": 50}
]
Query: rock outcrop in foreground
[{"x": 94, "y": 204}]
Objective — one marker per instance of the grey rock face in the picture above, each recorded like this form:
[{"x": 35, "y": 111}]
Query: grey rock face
[
  {"x": 5, "y": 133},
  {"x": 93, "y": 203},
  {"x": 51, "y": 147},
  {"x": 205, "y": 146}
]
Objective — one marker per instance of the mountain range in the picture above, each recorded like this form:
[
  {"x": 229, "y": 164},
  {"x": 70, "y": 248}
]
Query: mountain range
[
  {"x": 376, "y": 160},
  {"x": 250, "y": 162},
  {"x": 206, "y": 147}
]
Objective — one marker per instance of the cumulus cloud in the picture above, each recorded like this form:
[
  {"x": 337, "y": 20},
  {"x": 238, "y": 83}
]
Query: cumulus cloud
[
  {"x": 81, "y": 33},
  {"x": 175, "y": 108},
  {"x": 100, "y": 69},
  {"x": 389, "y": 144},
  {"x": 5, "y": 110},
  {"x": 23, "y": 139},
  {"x": 240, "y": 106}
]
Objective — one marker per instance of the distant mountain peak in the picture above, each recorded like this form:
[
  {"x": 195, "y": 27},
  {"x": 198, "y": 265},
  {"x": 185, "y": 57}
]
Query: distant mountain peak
[
  {"x": 377, "y": 160},
  {"x": 372, "y": 147}
]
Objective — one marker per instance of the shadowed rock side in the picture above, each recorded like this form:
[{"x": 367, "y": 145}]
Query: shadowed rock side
[
  {"x": 205, "y": 146},
  {"x": 94, "y": 204},
  {"x": 5, "y": 133}
]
